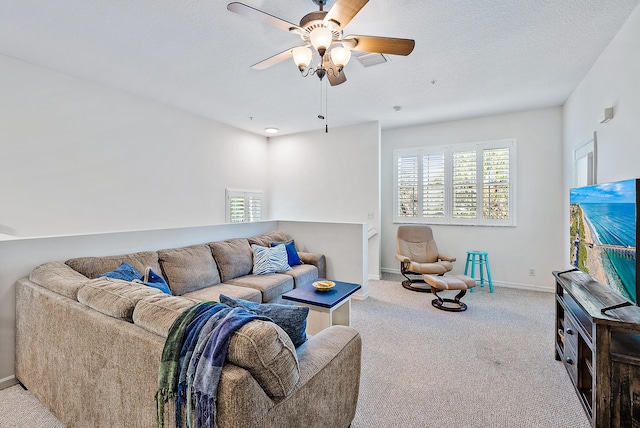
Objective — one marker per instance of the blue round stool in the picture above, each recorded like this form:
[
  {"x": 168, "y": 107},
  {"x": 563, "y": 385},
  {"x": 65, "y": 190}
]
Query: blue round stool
[{"x": 481, "y": 258}]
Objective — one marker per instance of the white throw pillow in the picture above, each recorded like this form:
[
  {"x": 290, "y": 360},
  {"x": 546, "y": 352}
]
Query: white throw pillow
[{"x": 269, "y": 260}]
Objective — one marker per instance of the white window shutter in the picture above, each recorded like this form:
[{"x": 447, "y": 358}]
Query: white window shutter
[
  {"x": 407, "y": 186},
  {"x": 495, "y": 183},
  {"x": 433, "y": 185},
  {"x": 243, "y": 206},
  {"x": 464, "y": 185}
]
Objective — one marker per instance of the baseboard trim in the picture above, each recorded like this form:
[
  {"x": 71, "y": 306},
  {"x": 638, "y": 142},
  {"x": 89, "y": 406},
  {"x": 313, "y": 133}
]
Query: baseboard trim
[
  {"x": 375, "y": 277},
  {"x": 360, "y": 295},
  {"x": 8, "y": 381},
  {"x": 529, "y": 287}
]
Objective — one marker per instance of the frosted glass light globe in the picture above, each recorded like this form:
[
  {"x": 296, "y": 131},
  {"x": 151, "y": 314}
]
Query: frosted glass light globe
[
  {"x": 321, "y": 39},
  {"x": 302, "y": 56},
  {"x": 340, "y": 56}
]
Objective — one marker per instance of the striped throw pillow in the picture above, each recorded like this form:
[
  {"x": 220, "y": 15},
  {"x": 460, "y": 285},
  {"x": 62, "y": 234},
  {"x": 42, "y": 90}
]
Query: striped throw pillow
[{"x": 269, "y": 260}]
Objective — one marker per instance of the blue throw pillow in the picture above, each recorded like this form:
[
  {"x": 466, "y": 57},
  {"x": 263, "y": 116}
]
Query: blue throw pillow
[
  {"x": 292, "y": 319},
  {"x": 125, "y": 272},
  {"x": 128, "y": 273},
  {"x": 156, "y": 281},
  {"x": 292, "y": 254},
  {"x": 269, "y": 260}
]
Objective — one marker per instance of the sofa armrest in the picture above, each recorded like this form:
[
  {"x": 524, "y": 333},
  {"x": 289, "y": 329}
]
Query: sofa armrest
[
  {"x": 329, "y": 376},
  {"x": 318, "y": 260},
  {"x": 242, "y": 403}
]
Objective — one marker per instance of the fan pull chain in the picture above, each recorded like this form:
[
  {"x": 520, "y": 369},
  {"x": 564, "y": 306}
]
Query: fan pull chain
[
  {"x": 326, "y": 107},
  {"x": 326, "y": 103}
]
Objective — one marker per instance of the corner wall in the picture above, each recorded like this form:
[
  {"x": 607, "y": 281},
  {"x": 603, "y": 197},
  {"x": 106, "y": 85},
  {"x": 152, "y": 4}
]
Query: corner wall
[
  {"x": 83, "y": 158},
  {"x": 329, "y": 177},
  {"x": 536, "y": 241},
  {"x": 613, "y": 81}
]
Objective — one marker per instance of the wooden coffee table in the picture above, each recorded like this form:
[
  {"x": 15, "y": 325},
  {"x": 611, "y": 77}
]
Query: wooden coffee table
[{"x": 326, "y": 308}]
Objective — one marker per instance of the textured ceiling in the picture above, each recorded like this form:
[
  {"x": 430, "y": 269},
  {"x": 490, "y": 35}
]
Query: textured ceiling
[{"x": 485, "y": 56}]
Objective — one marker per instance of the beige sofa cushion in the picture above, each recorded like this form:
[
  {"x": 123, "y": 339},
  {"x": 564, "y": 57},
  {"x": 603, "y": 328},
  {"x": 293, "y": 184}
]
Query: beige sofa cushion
[
  {"x": 234, "y": 258},
  {"x": 266, "y": 351},
  {"x": 213, "y": 293},
  {"x": 156, "y": 313},
  {"x": 189, "y": 269},
  {"x": 91, "y": 267},
  {"x": 114, "y": 297},
  {"x": 60, "y": 278},
  {"x": 268, "y": 238},
  {"x": 271, "y": 286}
]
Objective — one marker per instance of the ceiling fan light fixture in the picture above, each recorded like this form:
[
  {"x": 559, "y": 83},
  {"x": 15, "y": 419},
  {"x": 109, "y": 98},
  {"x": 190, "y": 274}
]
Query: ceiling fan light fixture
[
  {"x": 302, "y": 56},
  {"x": 340, "y": 56},
  {"x": 320, "y": 39}
]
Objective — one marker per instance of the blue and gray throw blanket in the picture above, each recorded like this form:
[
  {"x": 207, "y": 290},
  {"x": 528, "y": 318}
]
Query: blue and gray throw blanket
[{"x": 192, "y": 360}]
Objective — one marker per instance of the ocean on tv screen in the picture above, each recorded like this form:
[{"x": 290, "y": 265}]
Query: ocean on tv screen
[{"x": 603, "y": 234}]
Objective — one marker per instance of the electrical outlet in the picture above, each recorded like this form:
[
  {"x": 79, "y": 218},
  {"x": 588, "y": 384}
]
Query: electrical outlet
[
  {"x": 532, "y": 272},
  {"x": 370, "y": 215}
]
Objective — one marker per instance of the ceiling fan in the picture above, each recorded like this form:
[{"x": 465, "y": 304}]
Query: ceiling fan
[{"x": 323, "y": 30}]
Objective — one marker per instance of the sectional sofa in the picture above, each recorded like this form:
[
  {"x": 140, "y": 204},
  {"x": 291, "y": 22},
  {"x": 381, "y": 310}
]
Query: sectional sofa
[{"x": 89, "y": 347}]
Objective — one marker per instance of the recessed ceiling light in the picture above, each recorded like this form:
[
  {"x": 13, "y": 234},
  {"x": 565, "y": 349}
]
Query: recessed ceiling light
[{"x": 271, "y": 130}]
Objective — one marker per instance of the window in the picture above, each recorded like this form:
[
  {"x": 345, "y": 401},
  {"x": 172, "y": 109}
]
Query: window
[
  {"x": 243, "y": 206},
  {"x": 457, "y": 184}
]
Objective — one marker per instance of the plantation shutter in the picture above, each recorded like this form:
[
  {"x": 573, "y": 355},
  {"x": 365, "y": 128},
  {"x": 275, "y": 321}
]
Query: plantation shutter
[
  {"x": 236, "y": 209},
  {"x": 243, "y": 206},
  {"x": 407, "y": 186},
  {"x": 433, "y": 185},
  {"x": 254, "y": 207},
  {"x": 495, "y": 183},
  {"x": 464, "y": 185}
]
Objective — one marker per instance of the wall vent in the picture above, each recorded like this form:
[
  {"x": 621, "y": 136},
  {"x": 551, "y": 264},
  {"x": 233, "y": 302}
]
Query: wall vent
[{"x": 369, "y": 59}]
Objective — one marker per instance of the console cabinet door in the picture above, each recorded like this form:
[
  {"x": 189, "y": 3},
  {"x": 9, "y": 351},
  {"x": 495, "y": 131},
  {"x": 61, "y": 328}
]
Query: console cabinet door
[{"x": 571, "y": 348}]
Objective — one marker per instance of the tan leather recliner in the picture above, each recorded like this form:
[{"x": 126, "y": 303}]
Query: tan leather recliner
[{"x": 418, "y": 255}]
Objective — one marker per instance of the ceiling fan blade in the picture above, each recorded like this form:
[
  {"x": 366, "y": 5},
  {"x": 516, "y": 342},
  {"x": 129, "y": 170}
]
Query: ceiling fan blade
[
  {"x": 331, "y": 68},
  {"x": 343, "y": 11},
  {"x": 265, "y": 18},
  {"x": 386, "y": 45},
  {"x": 282, "y": 56}
]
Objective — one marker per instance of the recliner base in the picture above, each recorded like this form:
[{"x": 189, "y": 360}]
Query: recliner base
[
  {"x": 407, "y": 284},
  {"x": 439, "y": 302}
]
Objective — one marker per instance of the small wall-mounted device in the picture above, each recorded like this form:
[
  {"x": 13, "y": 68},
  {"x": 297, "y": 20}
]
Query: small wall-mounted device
[{"x": 607, "y": 115}]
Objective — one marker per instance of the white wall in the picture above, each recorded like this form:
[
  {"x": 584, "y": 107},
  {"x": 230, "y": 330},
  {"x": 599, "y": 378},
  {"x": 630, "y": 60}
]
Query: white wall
[
  {"x": 536, "y": 241},
  {"x": 80, "y": 158},
  {"x": 343, "y": 244},
  {"x": 613, "y": 81},
  {"x": 327, "y": 177}
]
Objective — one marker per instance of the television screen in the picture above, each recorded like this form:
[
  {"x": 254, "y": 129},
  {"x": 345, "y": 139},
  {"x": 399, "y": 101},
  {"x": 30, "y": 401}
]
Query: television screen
[{"x": 603, "y": 234}]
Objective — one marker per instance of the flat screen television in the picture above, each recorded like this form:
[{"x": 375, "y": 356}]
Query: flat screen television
[{"x": 603, "y": 234}]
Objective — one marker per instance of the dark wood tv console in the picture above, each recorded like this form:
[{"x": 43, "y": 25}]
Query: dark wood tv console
[{"x": 601, "y": 352}]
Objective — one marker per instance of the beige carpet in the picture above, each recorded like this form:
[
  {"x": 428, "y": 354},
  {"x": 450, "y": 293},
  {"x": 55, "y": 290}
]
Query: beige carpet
[{"x": 491, "y": 366}]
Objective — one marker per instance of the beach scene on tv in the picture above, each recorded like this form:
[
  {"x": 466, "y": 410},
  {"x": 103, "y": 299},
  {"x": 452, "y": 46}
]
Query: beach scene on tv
[{"x": 603, "y": 234}]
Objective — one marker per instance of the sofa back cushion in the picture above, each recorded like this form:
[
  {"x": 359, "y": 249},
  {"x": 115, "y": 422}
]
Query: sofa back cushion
[
  {"x": 268, "y": 238},
  {"x": 189, "y": 269},
  {"x": 114, "y": 297},
  {"x": 58, "y": 277},
  {"x": 266, "y": 351},
  {"x": 156, "y": 313},
  {"x": 91, "y": 267},
  {"x": 234, "y": 258}
]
